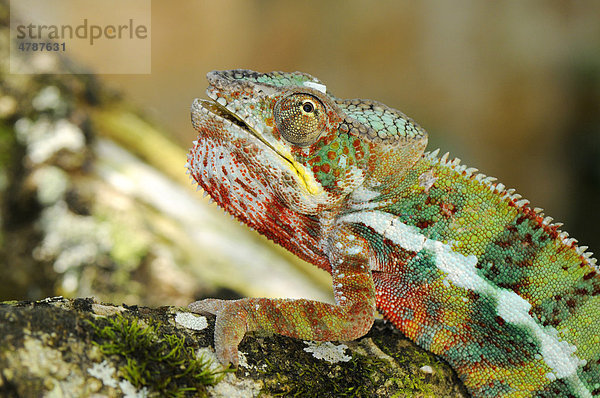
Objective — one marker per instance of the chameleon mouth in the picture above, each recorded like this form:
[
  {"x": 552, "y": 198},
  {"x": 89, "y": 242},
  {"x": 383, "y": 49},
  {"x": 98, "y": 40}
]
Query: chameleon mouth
[
  {"x": 202, "y": 108},
  {"x": 212, "y": 109}
]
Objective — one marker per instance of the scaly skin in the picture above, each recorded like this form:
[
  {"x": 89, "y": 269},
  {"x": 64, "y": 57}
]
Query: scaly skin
[{"x": 458, "y": 263}]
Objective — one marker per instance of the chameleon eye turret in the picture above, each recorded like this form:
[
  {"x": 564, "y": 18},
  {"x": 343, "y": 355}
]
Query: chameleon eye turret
[{"x": 300, "y": 118}]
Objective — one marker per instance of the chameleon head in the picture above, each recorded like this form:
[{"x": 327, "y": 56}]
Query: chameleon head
[{"x": 280, "y": 139}]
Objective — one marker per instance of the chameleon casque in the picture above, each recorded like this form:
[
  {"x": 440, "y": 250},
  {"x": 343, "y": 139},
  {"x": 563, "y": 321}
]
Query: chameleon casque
[{"x": 461, "y": 265}]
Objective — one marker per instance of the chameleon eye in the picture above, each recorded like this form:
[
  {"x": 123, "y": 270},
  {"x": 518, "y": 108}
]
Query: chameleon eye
[
  {"x": 300, "y": 118},
  {"x": 308, "y": 106}
]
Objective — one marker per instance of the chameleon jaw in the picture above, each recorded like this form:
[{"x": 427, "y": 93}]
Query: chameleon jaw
[{"x": 202, "y": 109}]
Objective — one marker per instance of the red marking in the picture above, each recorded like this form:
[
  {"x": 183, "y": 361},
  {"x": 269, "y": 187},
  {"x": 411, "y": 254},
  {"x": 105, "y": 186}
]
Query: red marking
[
  {"x": 448, "y": 209},
  {"x": 316, "y": 159},
  {"x": 403, "y": 302},
  {"x": 331, "y": 155},
  {"x": 571, "y": 303},
  {"x": 325, "y": 168},
  {"x": 423, "y": 224},
  {"x": 589, "y": 275},
  {"x": 245, "y": 187}
]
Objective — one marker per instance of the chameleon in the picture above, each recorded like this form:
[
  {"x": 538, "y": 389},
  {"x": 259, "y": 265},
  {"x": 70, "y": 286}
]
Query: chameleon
[{"x": 463, "y": 266}]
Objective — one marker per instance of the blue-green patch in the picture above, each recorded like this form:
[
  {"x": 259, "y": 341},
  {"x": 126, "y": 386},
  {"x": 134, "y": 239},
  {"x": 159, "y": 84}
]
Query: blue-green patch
[
  {"x": 422, "y": 268},
  {"x": 485, "y": 322},
  {"x": 508, "y": 260}
]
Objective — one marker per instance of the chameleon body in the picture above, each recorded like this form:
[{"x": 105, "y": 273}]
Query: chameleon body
[{"x": 461, "y": 265}]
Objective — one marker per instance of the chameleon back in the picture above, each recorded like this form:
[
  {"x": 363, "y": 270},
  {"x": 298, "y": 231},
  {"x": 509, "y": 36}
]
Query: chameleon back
[{"x": 470, "y": 272}]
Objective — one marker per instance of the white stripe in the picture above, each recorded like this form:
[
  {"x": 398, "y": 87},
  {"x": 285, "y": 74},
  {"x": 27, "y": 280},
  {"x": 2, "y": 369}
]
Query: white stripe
[
  {"x": 461, "y": 271},
  {"x": 317, "y": 86}
]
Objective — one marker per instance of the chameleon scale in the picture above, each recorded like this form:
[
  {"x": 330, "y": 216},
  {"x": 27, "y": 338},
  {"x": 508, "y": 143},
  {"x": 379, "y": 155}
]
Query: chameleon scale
[{"x": 460, "y": 264}]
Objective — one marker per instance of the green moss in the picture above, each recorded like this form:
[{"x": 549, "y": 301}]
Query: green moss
[
  {"x": 410, "y": 380},
  {"x": 367, "y": 374},
  {"x": 162, "y": 362},
  {"x": 359, "y": 377}
]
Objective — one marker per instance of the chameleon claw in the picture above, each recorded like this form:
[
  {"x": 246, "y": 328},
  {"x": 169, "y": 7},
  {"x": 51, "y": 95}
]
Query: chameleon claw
[
  {"x": 227, "y": 354},
  {"x": 230, "y": 327}
]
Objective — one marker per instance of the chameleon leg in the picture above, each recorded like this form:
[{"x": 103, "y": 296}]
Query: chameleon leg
[{"x": 348, "y": 319}]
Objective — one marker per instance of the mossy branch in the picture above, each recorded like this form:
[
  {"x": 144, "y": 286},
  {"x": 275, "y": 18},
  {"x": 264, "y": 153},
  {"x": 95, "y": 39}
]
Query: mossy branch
[{"x": 82, "y": 347}]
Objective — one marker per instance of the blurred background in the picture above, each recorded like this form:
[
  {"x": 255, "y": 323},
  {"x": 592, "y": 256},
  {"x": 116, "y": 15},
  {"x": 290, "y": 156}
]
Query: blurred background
[{"x": 512, "y": 88}]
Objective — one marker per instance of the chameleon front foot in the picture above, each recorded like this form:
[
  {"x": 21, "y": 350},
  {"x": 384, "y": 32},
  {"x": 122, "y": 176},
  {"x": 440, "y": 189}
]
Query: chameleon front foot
[
  {"x": 230, "y": 326},
  {"x": 207, "y": 306}
]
